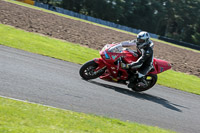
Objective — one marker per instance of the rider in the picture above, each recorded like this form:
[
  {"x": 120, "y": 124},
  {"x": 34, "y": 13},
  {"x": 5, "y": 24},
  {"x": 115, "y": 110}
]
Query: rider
[{"x": 145, "y": 62}]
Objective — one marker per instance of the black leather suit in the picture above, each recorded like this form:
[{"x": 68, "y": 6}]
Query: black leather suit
[{"x": 145, "y": 61}]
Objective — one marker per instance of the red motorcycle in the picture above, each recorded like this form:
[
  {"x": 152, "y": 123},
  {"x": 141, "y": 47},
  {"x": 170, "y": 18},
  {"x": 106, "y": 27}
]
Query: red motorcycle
[{"x": 108, "y": 67}]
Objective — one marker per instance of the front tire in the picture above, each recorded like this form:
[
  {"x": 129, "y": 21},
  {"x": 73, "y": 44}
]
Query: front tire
[
  {"x": 151, "y": 80},
  {"x": 87, "y": 71}
]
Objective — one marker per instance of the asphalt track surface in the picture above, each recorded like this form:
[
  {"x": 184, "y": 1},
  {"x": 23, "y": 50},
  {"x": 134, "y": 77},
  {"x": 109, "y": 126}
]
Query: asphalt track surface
[{"x": 48, "y": 81}]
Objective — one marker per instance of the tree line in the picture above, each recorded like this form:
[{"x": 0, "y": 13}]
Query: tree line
[{"x": 177, "y": 19}]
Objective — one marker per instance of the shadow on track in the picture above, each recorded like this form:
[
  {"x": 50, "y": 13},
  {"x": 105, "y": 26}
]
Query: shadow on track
[{"x": 142, "y": 96}]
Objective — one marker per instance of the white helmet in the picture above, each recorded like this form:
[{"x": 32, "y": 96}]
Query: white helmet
[{"x": 143, "y": 39}]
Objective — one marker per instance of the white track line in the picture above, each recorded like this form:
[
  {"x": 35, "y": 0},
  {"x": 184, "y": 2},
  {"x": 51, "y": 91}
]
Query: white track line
[{"x": 31, "y": 102}]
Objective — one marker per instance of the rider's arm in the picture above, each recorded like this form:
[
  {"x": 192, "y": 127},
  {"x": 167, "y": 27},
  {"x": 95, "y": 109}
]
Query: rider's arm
[
  {"x": 143, "y": 58},
  {"x": 124, "y": 44},
  {"x": 139, "y": 62},
  {"x": 128, "y": 43}
]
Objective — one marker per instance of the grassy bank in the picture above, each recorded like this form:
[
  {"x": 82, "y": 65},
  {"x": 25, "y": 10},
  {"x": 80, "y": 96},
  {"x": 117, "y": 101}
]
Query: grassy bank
[
  {"x": 181, "y": 81},
  {"x": 39, "y": 44},
  {"x": 23, "y": 117}
]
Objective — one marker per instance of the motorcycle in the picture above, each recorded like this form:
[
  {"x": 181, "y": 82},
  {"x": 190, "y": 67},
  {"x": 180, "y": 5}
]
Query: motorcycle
[{"x": 108, "y": 67}]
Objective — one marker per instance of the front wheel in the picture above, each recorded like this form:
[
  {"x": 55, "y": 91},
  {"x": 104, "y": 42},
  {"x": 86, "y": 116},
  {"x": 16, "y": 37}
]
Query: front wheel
[
  {"x": 151, "y": 80},
  {"x": 88, "y": 72}
]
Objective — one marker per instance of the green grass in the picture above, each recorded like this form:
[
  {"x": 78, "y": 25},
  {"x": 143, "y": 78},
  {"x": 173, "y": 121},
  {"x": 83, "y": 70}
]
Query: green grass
[
  {"x": 39, "y": 44},
  {"x": 74, "y": 18},
  {"x": 181, "y": 81},
  {"x": 23, "y": 117},
  {"x": 76, "y": 53}
]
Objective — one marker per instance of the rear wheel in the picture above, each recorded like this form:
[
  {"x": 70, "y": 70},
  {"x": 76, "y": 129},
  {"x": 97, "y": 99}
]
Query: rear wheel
[
  {"x": 151, "y": 80},
  {"x": 88, "y": 72}
]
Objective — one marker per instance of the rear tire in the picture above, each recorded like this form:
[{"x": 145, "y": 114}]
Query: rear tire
[
  {"x": 151, "y": 79},
  {"x": 87, "y": 70}
]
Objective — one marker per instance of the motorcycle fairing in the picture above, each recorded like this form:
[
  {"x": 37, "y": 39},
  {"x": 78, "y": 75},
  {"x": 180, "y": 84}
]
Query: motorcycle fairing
[
  {"x": 160, "y": 66},
  {"x": 113, "y": 72}
]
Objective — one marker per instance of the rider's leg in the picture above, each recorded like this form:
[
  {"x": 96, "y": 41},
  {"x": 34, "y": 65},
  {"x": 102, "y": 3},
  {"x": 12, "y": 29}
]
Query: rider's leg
[
  {"x": 143, "y": 71},
  {"x": 142, "y": 79},
  {"x": 141, "y": 75}
]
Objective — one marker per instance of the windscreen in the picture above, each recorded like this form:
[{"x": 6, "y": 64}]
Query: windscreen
[{"x": 116, "y": 48}]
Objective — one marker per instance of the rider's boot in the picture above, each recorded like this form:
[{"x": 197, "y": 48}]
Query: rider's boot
[{"x": 142, "y": 80}]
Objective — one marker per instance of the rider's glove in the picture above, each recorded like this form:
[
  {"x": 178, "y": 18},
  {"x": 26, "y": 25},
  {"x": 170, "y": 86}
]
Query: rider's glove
[{"x": 124, "y": 66}]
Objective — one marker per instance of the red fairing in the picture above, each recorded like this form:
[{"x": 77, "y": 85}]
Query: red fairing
[
  {"x": 129, "y": 58},
  {"x": 160, "y": 66},
  {"x": 98, "y": 60},
  {"x": 100, "y": 63}
]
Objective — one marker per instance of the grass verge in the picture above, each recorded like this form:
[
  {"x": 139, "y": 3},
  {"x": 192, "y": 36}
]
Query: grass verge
[
  {"x": 180, "y": 81},
  {"x": 23, "y": 117},
  {"x": 74, "y": 18},
  {"x": 40, "y": 44},
  {"x": 44, "y": 45}
]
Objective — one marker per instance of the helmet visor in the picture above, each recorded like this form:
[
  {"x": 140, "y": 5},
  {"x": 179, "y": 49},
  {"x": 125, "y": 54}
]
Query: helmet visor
[{"x": 140, "y": 41}]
